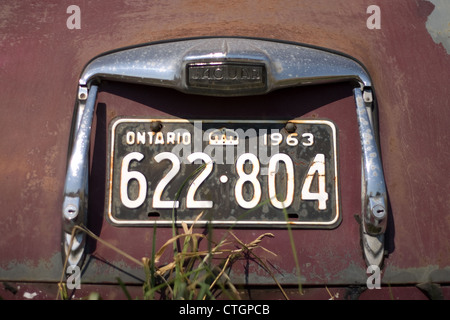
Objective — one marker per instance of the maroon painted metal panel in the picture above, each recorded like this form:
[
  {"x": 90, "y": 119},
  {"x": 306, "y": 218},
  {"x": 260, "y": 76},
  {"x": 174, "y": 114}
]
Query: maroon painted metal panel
[{"x": 41, "y": 60}]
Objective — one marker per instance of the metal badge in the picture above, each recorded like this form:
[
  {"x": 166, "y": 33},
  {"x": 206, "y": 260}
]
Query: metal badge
[{"x": 226, "y": 77}]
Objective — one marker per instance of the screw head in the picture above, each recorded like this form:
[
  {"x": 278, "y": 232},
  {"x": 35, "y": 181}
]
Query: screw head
[
  {"x": 290, "y": 127},
  {"x": 155, "y": 126},
  {"x": 70, "y": 211},
  {"x": 379, "y": 211}
]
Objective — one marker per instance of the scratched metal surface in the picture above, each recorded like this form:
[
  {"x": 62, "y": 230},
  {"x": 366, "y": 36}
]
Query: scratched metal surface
[{"x": 408, "y": 60}]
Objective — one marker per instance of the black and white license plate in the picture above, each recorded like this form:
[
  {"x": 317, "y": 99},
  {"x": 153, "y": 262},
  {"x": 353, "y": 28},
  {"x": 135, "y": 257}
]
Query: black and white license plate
[{"x": 241, "y": 173}]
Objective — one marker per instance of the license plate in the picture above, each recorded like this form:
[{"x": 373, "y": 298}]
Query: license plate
[{"x": 241, "y": 173}]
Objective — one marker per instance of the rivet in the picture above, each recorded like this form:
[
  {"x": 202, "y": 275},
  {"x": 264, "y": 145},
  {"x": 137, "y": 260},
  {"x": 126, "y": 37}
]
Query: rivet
[
  {"x": 290, "y": 127},
  {"x": 155, "y": 126}
]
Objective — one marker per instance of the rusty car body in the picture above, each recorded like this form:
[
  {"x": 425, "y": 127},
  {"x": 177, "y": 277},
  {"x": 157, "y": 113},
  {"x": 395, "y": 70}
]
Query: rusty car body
[{"x": 391, "y": 79}]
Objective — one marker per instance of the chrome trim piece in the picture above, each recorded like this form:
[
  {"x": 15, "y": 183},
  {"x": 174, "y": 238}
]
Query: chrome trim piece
[
  {"x": 76, "y": 184},
  {"x": 286, "y": 65},
  {"x": 374, "y": 202},
  {"x": 165, "y": 64},
  {"x": 374, "y": 195}
]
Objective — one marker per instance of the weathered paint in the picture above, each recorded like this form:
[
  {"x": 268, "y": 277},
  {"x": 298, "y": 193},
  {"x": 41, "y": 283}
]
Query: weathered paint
[
  {"x": 438, "y": 25},
  {"x": 41, "y": 60}
]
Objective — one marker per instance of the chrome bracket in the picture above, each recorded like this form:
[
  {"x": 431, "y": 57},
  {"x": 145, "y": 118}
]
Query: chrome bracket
[
  {"x": 374, "y": 196},
  {"x": 75, "y": 200},
  {"x": 264, "y": 66}
]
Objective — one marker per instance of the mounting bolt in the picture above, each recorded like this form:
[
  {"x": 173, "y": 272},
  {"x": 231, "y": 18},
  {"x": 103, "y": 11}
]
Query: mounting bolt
[
  {"x": 379, "y": 211},
  {"x": 290, "y": 127},
  {"x": 70, "y": 211},
  {"x": 367, "y": 96},
  {"x": 155, "y": 126},
  {"x": 82, "y": 93}
]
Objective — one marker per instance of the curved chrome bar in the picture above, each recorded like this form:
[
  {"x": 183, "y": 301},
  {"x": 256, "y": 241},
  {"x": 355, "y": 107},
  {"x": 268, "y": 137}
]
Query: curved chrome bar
[
  {"x": 165, "y": 64},
  {"x": 76, "y": 185},
  {"x": 198, "y": 66}
]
